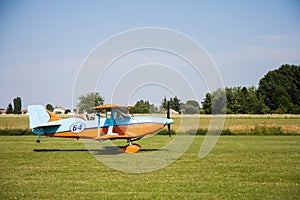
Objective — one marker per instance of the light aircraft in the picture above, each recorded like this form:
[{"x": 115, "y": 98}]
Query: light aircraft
[{"x": 118, "y": 123}]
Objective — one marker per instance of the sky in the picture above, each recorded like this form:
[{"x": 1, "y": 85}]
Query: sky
[{"x": 43, "y": 44}]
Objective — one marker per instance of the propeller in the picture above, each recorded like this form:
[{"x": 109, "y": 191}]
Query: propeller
[{"x": 168, "y": 116}]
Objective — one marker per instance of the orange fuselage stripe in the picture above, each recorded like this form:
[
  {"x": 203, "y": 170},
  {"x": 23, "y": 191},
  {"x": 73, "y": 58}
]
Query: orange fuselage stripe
[{"x": 125, "y": 131}]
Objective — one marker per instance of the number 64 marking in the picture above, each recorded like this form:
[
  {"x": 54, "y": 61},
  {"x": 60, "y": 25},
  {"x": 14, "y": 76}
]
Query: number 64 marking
[{"x": 77, "y": 127}]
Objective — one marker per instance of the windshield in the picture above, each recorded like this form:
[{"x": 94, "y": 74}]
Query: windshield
[{"x": 121, "y": 113}]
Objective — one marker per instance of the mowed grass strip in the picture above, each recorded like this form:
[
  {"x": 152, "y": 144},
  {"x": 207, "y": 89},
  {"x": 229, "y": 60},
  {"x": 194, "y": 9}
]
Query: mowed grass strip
[{"x": 239, "y": 167}]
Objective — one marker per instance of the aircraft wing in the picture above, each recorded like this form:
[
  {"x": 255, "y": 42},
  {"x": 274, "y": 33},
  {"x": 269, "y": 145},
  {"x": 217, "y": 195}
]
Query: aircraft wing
[
  {"x": 127, "y": 135},
  {"x": 112, "y": 137}
]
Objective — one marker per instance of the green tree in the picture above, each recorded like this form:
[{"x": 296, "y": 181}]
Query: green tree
[
  {"x": 193, "y": 103},
  {"x": 232, "y": 97},
  {"x": 247, "y": 101},
  {"x": 141, "y": 106},
  {"x": 152, "y": 109},
  {"x": 49, "y": 107},
  {"x": 175, "y": 104},
  {"x": 164, "y": 103},
  {"x": 17, "y": 105},
  {"x": 280, "y": 89},
  {"x": 218, "y": 100},
  {"x": 206, "y": 104},
  {"x": 89, "y": 101},
  {"x": 9, "y": 109},
  {"x": 67, "y": 111},
  {"x": 215, "y": 102},
  {"x": 239, "y": 100},
  {"x": 191, "y": 107},
  {"x": 243, "y": 100}
]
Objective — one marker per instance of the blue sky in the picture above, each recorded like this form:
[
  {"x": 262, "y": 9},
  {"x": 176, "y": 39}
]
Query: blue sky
[{"x": 43, "y": 43}]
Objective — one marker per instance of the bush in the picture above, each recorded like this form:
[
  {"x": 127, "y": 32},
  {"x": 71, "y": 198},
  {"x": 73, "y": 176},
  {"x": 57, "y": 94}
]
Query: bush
[
  {"x": 165, "y": 132},
  {"x": 268, "y": 131},
  {"x": 258, "y": 130},
  {"x": 15, "y": 132}
]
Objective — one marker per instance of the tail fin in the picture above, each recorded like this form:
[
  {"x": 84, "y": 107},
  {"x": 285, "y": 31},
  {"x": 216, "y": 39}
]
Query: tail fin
[{"x": 39, "y": 115}]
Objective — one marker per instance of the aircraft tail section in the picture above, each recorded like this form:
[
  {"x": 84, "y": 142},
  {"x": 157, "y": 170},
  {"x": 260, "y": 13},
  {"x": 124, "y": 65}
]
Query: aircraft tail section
[{"x": 39, "y": 115}]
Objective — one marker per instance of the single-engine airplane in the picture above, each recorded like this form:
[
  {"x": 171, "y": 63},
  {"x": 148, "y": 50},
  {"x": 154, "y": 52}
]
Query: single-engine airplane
[{"x": 118, "y": 123}]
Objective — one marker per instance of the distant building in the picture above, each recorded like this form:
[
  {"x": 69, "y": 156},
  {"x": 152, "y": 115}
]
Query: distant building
[
  {"x": 58, "y": 110},
  {"x": 173, "y": 112},
  {"x": 2, "y": 111},
  {"x": 159, "y": 109},
  {"x": 24, "y": 112}
]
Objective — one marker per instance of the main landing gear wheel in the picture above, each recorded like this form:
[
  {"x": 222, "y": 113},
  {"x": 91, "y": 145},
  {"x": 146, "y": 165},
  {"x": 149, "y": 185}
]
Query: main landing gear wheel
[
  {"x": 133, "y": 148},
  {"x": 130, "y": 148}
]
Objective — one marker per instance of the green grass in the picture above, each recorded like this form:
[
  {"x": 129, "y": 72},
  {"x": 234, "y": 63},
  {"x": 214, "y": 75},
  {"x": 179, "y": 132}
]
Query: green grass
[{"x": 239, "y": 167}]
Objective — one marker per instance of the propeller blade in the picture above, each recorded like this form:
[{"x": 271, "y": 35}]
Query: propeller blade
[
  {"x": 168, "y": 110},
  {"x": 169, "y": 130},
  {"x": 168, "y": 116}
]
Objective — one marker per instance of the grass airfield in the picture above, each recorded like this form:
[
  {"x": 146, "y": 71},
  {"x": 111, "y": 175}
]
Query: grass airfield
[{"x": 239, "y": 167}]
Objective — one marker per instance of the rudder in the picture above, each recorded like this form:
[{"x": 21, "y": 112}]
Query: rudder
[{"x": 37, "y": 115}]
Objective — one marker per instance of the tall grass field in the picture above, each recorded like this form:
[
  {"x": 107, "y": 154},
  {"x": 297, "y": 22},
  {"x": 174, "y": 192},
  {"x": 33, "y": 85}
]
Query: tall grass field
[{"x": 233, "y": 124}]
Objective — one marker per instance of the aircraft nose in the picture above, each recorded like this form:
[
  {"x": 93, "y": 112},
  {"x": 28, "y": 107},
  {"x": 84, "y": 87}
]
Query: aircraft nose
[{"x": 169, "y": 121}]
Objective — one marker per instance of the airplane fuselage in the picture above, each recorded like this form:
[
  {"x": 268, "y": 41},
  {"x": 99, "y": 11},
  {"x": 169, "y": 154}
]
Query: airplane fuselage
[{"x": 104, "y": 128}]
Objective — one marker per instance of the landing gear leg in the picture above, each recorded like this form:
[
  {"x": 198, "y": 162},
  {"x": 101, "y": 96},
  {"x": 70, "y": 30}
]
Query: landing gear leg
[{"x": 129, "y": 142}]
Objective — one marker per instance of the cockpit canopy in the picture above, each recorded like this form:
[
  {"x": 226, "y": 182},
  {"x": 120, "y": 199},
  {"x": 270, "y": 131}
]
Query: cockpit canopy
[{"x": 115, "y": 112}]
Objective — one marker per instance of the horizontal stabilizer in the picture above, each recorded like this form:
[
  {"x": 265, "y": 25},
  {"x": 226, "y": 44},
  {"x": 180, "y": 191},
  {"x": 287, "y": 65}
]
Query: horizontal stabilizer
[{"x": 46, "y": 125}]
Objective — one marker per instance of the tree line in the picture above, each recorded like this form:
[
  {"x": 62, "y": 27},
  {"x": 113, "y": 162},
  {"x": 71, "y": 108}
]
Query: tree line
[
  {"x": 278, "y": 92},
  {"x": 190, "y": 107},
  {"x": 87, "y": 103}
]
